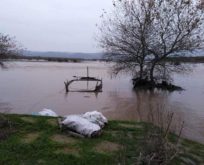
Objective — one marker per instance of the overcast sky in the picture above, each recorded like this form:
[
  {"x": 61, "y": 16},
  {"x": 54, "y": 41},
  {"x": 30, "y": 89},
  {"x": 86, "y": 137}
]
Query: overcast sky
[{"x": 53, "y": 25}]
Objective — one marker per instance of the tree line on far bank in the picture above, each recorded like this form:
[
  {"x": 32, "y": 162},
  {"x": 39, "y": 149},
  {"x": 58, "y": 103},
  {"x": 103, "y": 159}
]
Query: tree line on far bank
[{"x": 8, "y": 47}]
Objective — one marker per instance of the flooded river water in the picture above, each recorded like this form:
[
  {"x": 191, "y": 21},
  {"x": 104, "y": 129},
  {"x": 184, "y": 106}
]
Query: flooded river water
[{"x": 27, "y": 87}]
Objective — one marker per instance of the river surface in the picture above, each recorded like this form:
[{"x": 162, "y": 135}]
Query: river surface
[{"x": 28, "y": 87}]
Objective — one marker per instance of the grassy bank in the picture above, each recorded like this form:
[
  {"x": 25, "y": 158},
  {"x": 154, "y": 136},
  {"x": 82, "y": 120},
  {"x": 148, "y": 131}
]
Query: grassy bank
[{"x": 38, "y": 140}]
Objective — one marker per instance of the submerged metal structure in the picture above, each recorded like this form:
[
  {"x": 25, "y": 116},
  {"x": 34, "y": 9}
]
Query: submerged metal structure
[{"x": 98, "y": 87}]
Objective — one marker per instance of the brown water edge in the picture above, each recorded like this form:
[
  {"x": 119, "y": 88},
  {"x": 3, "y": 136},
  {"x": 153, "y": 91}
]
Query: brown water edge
[
  {"x": 154, "y": 106},
  {"x": 28, "y": 87}
]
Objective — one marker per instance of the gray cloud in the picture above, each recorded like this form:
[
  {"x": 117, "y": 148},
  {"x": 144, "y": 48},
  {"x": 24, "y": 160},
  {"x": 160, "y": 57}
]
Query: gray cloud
[{"x": 55, "y": 25}]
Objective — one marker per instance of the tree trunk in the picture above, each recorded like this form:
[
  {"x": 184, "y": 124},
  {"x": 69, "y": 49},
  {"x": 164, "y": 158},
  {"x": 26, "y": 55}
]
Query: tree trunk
[
  {"x": 141, "y": 72},
  {"x": 67, "y": 86},
  {"x": 152, "y": 73}
]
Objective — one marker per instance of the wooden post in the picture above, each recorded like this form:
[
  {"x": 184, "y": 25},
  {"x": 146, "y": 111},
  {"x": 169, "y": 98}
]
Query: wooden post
[
  {"x": 87, "y": 85},
  {"x": 87, "y": 71},
  {"x": 66, "y": 86}
]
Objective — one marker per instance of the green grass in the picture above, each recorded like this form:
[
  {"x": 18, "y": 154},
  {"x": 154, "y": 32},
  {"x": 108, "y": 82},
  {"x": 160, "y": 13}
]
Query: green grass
[{"x": 38, "y": 140}]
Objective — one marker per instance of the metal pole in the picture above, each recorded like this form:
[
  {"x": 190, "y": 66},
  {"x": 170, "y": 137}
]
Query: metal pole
[
  {"x": 87, "y": 71},
  {"x": 87, "y": 77}
]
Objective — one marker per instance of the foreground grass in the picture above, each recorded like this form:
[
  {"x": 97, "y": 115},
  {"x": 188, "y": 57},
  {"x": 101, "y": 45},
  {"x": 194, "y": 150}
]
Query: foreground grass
[{"x": 38, "y": 140}]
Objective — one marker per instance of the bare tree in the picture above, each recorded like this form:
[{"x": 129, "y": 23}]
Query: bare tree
[
  {"x": 8, "y": 47},
  {"x": 123, "y": 38},
  {"x": 140, "y": 34}
]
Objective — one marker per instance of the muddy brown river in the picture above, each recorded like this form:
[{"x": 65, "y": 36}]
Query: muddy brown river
[{"x": 27, "y": 87}]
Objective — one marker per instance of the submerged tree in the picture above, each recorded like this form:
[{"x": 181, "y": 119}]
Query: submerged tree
[
  {"x": 140, "y": 35},
  {"x": 8, "y": 47}
]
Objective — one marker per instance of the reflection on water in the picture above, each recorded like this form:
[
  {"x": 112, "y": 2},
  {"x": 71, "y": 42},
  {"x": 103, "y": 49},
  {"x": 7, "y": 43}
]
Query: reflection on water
[{"x": 31, "y": 86}]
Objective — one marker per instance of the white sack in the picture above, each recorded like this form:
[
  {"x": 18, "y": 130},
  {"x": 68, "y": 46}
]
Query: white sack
[
  {"x": 47, "y": 112},
  {"x": 96, "y": 118},
  {"x": 80, "y": 125}
]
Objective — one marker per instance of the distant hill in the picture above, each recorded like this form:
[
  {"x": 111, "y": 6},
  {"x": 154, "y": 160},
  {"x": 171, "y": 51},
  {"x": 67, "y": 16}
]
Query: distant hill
[
  {"x": 63, "y": 54},
  {"x": 195, "y": 53},
  {"x": 87, "y": 56}
]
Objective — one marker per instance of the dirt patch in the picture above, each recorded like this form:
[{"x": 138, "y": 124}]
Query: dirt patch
[
  {"x": 134, "y": 126},
  {"x": 107, "y": 147},
  {"x": 63, "y": 139},
  {"x": 68, "y": 150},
  {"x": 28, "y": 119},
  {"x": 52, "y": 122},
  {"x": 31, "y": 137}
]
